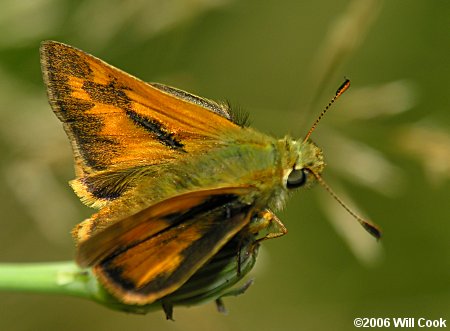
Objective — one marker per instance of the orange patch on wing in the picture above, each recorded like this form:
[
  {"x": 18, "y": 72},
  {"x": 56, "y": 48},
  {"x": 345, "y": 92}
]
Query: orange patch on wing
[
  {"x": 116, "y": 122},
  {"x": 145, "y": 224},
  {"x": 159, "y": 255}
]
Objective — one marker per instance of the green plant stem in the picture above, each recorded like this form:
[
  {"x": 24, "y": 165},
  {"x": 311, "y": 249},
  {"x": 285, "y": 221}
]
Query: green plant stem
[
  {"x": 210, "y": 282},
  {"x": 64, "y": 278}
]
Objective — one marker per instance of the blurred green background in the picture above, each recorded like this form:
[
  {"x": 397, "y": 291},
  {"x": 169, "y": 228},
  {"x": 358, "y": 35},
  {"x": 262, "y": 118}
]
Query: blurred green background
[{"x": 386, "y": 142}]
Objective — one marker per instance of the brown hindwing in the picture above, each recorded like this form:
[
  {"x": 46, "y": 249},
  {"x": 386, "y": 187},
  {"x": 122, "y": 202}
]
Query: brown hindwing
[{"x": 156, "y": 263}]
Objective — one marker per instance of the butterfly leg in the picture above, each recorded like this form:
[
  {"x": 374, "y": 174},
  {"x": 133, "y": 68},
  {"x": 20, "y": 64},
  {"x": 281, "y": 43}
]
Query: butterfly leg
[
  {"x": 264, "y": 220},
  {"x": 221, "y": 306},
  {"x": 168, "y": 310},
  {"x": 233, "y": 292}
]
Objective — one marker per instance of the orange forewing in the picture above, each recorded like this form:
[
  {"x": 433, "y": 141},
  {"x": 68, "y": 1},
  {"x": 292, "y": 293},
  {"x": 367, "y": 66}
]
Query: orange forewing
[
  {"x": 118, "y": 124},
  {"x": 151, "y": 254}
]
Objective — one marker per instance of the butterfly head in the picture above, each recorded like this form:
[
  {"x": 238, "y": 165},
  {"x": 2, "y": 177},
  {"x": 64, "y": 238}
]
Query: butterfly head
[
  {"x": 307, "y": 166},
  {"x": 309, "y": 163}
]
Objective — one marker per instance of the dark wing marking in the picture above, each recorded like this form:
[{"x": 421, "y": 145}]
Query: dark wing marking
[{"x": 156, "y": 262}]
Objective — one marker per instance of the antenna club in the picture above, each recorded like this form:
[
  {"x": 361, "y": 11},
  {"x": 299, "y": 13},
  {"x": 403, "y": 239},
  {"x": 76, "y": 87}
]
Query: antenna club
[
  {"x": 372, "y": 229},
  {"x": 344, "y": 87}
]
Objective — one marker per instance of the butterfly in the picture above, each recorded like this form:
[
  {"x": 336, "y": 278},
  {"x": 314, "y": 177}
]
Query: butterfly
[{"x": 178, "y": 180}]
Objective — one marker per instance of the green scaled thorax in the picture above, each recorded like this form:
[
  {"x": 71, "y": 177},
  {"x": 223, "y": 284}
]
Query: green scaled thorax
[{"x": 247, "y": 159}]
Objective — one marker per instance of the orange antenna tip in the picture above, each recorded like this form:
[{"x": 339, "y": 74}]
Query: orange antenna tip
[{"x": 344, "y": 87}]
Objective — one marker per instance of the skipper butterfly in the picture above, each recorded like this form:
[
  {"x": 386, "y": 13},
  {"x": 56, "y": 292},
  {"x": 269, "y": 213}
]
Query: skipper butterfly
[{"x": 179, "y": 180}]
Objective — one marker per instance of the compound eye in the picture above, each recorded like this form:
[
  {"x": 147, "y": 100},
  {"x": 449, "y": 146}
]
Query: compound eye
[{"x": 296, "y": 178}]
